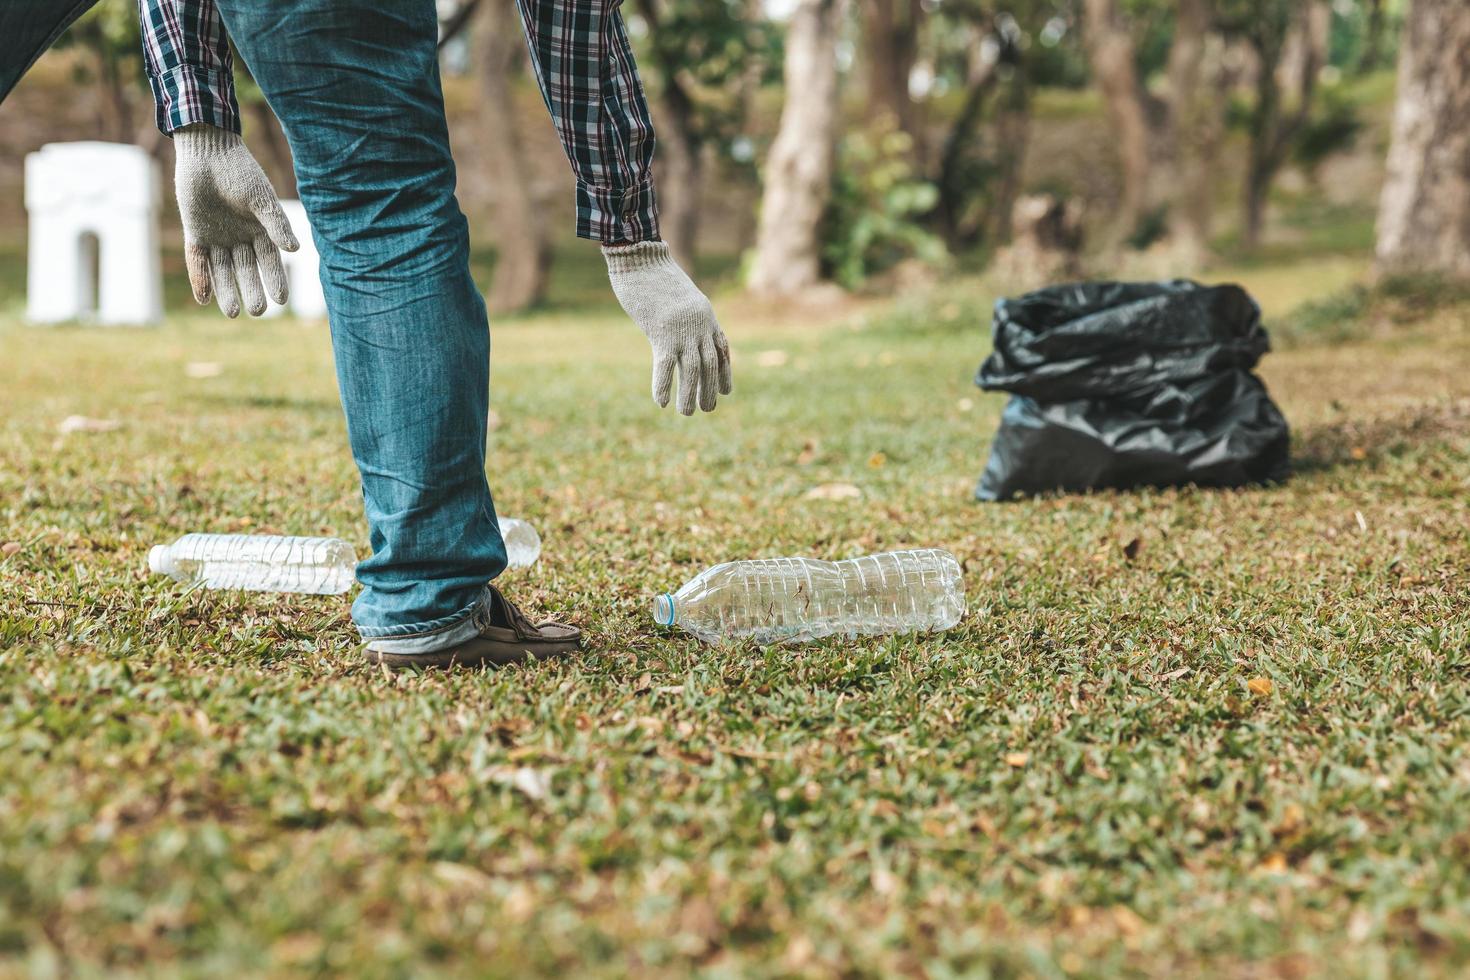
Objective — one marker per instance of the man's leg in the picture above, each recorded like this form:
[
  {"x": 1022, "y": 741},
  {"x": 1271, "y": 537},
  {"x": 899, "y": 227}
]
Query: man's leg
[
  {"x": 356, "y": 87},
  {"x": 27, "y": 29}
]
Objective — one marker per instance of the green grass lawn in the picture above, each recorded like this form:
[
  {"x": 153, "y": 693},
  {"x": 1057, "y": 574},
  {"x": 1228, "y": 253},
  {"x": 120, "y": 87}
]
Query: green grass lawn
[{"x": 1244, "y": 750}]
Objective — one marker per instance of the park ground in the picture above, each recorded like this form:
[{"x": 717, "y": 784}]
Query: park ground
[{"x": 1180, "y": 731}]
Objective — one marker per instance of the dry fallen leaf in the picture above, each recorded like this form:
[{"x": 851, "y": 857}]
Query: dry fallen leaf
[
  {"x": 1132, "y": 548},
  {"x": 877, "y": 460},
  {"x": 1274, "y": 863},
  {"x": 80, "y": 423},
  {"x": 1358, "y": 453},
  {"x": 461, "y": 875},
  {"x": 9, "y": 548},
  {"x": 1017, "y": 759},
  {"x": 1291, "y": 819},
  {"x": 204, "y": 369},
  {"x": 834, "y": 491},
  {"x": 883, "y": 881},
  {"x": 534, "y": 783},
  {"x": 297, "y": 947},
  {"x": 1260, "y": 685}
]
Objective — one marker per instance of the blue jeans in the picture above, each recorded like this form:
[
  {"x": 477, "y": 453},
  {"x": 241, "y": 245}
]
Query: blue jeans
[{"x": 356, "y": 87}]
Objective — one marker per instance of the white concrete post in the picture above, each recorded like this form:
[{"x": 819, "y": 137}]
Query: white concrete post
[
  {"x": 86, "y": 196},
  {"x": 303, "y": 270}
]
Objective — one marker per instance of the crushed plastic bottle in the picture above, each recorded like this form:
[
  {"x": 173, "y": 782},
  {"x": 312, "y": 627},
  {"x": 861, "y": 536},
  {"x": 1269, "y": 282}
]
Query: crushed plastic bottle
[
  {"x": 257, "y": 562},
  {"x": 788, "y": 600},
  {"x": 522, "y": 543}
]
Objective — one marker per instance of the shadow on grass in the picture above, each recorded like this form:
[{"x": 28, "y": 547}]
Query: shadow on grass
[
  {"x": 1355, "y": 441},
  {"x": 309, "y": 406}
]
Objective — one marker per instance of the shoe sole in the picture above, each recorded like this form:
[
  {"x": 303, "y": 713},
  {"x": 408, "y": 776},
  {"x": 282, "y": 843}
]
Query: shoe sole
[{"x": 475, "y": 654}]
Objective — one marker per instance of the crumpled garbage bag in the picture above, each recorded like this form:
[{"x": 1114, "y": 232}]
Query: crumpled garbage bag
[{"x": 1120, "y": 385}]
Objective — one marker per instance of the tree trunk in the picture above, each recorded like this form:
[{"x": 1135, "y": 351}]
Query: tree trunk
[
  {"x": 115, "y": 115},
  {"x": 1272, "y": 130},
  {"x": 891, "y": 32},
  {"x": 1197, "y": 120},
  {"x": 798, "y": 174},
  {"x": 681, "y": 150},
  {"x": 1012, "y": 134},
  {"x": 1424, "y": 214},
  {"x": 954, "y": 190},
  {"x": 1306, "y": 46},
  {"x": 523, "y": 258},
  {"x": 1111, "y": 52},
  {"x": 1372, "y": 55},
  {"x": 679, "y": 205}
]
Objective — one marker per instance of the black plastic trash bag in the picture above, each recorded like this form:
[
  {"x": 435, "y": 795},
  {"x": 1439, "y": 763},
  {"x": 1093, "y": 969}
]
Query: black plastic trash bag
[{"x": 1120, "y": 385}]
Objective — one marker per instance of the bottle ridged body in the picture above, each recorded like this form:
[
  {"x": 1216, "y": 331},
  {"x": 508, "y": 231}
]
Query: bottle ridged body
[
  {"x": 788, "y": 600},
  {"x": 259, "y": 562}
]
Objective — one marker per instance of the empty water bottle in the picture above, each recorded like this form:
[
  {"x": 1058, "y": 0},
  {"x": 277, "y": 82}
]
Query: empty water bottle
[
  {"x": 522, "y": 543},
  {"x": 786, "y": 600},
  {"x": 258, "y": 562}
]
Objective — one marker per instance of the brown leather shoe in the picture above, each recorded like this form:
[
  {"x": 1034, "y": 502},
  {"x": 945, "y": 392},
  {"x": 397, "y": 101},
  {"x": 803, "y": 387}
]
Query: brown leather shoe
[{"x": 506, "y": 637}]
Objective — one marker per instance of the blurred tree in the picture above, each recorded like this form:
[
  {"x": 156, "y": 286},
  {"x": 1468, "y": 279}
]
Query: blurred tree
[
  {"x": 798, "y": 171},
  {"x": 1113, "y": 53},
  {"x": 874, "y": 219},
  {"x": 891, "y": 42},
  {"x": 1424, "y": 215},
  {"x": 1372, "y": 50},
  {"x": 108, "y": 33},
  {"x": 1289, "y": 39},
  {"x": 703, "y": 55},
  {"x": 523, "y": 253},
  {"x": 1196, "y": 126},
  {"x": 977, "y": 63},
  {"x": 1167, "y": 144},
  {"x": 976, "y": 178}
]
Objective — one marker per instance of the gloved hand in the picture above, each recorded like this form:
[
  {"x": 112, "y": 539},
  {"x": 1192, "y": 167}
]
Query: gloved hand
[
  {"x": 677, "y": 319},
  {"x": 233, "y": 222}
]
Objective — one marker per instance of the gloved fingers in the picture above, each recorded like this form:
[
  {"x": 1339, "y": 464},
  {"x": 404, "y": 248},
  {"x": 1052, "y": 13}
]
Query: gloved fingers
[
  {"x": 267, "y": 211},
  {"x": 688, "y": 382},
  {"x": 663, "y": 379},
  {"x": 722, "y": 353},
  {"x": 272, "y": 270},
  {"x": 196, "y": 260},
  {"x": 222, "y": 273},
  {"x": 248, "y": 278},
  {"x": 709, "y": 371}
]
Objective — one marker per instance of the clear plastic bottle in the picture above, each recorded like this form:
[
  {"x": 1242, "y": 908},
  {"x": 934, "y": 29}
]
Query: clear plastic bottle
[
  {"x": 522, "y": 543},
  {"x": 258, "y": 562},
  {"x": 787, "y": 600}
]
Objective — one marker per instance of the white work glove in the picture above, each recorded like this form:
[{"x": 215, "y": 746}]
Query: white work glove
[
  {"x": 233, "y": 222},
  {"x": 678, "y": 321}
]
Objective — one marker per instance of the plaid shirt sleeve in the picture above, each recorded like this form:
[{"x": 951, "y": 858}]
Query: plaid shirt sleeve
[
  {"x": 189, "y": 64},
  {"x": 584, "y": 65}
]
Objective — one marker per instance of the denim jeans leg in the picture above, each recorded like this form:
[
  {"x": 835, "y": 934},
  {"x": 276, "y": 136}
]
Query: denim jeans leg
[
  {"x": 356, "y": 86},
  {"x": 27, "y": 29}
]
